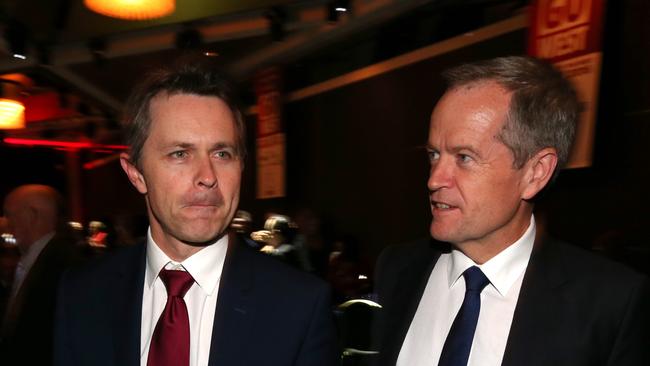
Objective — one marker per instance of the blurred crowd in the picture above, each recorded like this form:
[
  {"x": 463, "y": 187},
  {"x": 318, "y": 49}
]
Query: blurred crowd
[
  {"x": 304, "y": 244},
  {"x": 299, "y": 242},
  {"x": 38, "y": 244}
]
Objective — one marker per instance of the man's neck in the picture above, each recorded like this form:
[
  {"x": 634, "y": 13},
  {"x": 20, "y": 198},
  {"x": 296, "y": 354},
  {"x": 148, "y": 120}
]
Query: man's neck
[{"x": 484, "y": 249}]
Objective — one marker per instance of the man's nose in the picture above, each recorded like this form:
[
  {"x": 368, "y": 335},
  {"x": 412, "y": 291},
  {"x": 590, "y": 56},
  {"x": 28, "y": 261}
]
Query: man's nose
[
  {"x": 440, "y": 175},
  {"x": 206, "y": 175}
]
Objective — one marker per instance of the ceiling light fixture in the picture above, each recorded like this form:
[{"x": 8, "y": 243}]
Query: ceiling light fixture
[
  {"x": 342, "y": 6},
  {"x": 132, "y": 9},
  {"x": 15, "y": 35},
  {"x": 12, "y": 110},
  {"x": 336, "y": 7},
  {"x": 12, "y": 114}
]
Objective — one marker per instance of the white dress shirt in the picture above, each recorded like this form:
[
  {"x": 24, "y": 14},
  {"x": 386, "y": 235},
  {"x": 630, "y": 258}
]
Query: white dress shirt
[
  {"x": 205, "y": 266},
  {"x": 444, "y": 295}
]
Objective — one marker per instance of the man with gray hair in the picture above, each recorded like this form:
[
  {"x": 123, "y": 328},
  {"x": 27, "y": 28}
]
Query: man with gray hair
[{"x": 491, "y": 289}]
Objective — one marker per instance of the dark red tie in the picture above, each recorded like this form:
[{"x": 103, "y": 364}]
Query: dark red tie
[{"x": 170, "y": 343}]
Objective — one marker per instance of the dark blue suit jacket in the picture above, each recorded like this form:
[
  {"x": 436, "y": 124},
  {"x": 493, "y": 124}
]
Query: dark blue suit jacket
[
  {"x": 267, "y": 313},
  {"x": 574, "y": 308}
]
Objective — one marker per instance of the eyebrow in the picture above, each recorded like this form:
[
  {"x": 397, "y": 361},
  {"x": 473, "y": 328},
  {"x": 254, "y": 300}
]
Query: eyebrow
[
  {"x": 221, "y": 145},
  {"x": 469, "y": 148},
  {"x": 184, "y": 145},
  {"x": 456, "y": 149},
  {"x": 188, "y": 145}
]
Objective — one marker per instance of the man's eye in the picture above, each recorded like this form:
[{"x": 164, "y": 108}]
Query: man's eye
[
  {"x": 223, "y": 154},
  {"x": 433, "y": 155},
  {"x": 464, "y": 158},
  {"x": 178, "y": 154}
]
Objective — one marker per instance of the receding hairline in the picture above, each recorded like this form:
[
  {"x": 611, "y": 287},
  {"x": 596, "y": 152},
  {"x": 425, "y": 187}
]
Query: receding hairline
[
  {"x": 231, "y": 114},
  {"x": 168, "y": 94}
]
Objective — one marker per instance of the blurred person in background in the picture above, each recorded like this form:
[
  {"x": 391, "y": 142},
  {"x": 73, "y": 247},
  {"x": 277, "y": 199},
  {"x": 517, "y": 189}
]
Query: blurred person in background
[
  {"x": 97, "y": 234},
  {"x": 345, "y": 271},
  {"x": 35, "y": 217},
  {"x": 9, "y": 257},
  {"x": 242, "y": 225},
  {"x": 130, "y": 229},
  {"x": 278, "y": 240},
  {"x": 312, "y": 240}
]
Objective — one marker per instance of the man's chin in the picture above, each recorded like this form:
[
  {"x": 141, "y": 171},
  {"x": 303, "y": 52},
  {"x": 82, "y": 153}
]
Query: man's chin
[
  {"x": 441, "y": 234},
  {"x": 203, "y": 240}
]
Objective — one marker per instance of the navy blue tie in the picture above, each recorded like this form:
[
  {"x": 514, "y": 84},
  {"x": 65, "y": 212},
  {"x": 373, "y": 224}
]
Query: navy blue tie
[{"x": 459, "y": 340}]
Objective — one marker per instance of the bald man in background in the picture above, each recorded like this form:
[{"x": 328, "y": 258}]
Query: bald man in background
[{"x": 34, "y": 216}]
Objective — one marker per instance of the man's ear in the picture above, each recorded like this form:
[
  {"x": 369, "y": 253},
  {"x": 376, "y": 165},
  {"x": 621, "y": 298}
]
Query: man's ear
[
  {"x": 132, "y": 172},
  {"x": 539, "y": 170}
]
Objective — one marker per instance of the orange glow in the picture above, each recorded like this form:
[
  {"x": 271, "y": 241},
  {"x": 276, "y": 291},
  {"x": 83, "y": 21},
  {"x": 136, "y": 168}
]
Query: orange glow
[
  {"x": 61, "y": 144},
  {"x": 12, "y": 114},
  {"x": 132, "y": 9}
]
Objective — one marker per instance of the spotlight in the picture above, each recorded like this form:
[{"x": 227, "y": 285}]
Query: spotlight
[
  {"x": 335, "y": 8},
  {"x": 12, "y": 110},
  {"x": 132, "y": 10},
  {"x": 276, "y": 16},
  {"x": 342, "y": 6},
  {"x": 16, "y": 35}
]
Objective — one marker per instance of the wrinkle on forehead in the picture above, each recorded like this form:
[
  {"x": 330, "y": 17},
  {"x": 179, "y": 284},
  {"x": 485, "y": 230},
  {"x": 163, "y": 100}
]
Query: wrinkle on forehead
[
  {"x": 482, "y": 102},
  {"x": 472, "y": 116}
]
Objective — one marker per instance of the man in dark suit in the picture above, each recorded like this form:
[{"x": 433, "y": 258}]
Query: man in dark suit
[
  {"x": 491, "y": 289},
  {"x": 192, "y": 294},
  {"x": 34, "y": 217}
]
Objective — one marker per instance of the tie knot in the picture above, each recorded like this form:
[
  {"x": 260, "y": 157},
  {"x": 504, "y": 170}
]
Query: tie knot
[
  {"x": 176, "y": 282},
  {"x": 475, "y": 280}
]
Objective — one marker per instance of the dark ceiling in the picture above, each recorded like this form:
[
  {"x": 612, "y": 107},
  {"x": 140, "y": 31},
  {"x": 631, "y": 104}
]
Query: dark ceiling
[
  {"x": 95, "y": 60},
  {"x": 65, "y": 21},
  {"x": 101, "y": 56}
]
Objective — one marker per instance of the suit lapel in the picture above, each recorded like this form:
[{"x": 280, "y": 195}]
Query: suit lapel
[
  {"x": 32, "y": 283},
  {"x": 534, "y": 319},
  {"x": 411, "y": 280},
  {"x": 232, "y": 319},
  {"x": 127, "y": 307},
  {"x": 15, "y": 305}
]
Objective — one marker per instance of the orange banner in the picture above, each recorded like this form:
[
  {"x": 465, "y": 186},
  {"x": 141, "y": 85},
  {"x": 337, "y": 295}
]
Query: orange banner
[
  {"x": 271, "y": 146},
  {"x": 568, "y": 33}
]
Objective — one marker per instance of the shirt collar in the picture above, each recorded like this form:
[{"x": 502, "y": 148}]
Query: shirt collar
[
  {"x": 205, "y": 266},
  {"x": 504, "y": 268}
]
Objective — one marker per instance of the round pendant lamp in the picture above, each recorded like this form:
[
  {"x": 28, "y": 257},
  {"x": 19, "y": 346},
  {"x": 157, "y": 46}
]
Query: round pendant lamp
[{"x": 132, "y": 9}]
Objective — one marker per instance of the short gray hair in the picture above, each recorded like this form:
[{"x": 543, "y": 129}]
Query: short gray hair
[{"x": 544, "y": 108}]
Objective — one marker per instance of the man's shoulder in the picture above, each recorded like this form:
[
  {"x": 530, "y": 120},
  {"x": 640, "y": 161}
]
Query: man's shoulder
[
  {"x": 591, "y": 269},
  {"x": 108, "y": 265},
  {"x": 275, "y": 273},
  {"x": 420, "y": 251}
]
